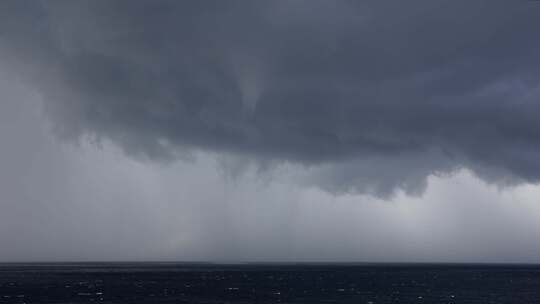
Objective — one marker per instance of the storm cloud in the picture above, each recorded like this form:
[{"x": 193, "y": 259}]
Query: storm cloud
[{"x": 369, "y": 96}]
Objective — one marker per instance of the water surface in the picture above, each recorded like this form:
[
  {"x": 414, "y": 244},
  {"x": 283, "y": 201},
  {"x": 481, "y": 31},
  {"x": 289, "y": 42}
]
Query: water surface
[{"x": 267, "y": 283}]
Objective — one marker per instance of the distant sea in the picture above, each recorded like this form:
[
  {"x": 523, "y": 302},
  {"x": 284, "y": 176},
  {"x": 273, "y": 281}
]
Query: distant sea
[{"x": 267, "y": 283}]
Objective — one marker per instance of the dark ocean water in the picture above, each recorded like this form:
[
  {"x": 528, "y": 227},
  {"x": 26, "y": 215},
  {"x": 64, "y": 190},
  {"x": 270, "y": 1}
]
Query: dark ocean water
[{"x": 314, "y": 283}]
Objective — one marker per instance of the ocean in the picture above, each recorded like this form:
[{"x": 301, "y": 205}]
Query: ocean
[{"x": 267, "y": 283}]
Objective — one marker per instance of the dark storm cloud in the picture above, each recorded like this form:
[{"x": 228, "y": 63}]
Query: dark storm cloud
[{"x": 375, "y": 95}]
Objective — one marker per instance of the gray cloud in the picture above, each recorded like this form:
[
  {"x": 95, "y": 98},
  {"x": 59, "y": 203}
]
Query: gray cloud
[
  {"x": 61, "y": 202},
  {"x": 372, "y": 96}
]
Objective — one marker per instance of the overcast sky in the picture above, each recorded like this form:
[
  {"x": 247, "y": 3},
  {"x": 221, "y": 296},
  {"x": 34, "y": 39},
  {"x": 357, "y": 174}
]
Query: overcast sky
[{"x": 270, "y": 130}]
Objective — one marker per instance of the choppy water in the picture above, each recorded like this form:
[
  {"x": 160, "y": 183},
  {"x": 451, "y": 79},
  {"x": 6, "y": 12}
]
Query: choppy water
[{"x": 315, "y": 283}]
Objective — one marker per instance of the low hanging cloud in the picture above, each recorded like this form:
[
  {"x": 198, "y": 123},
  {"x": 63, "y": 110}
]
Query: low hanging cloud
[{"x": 370, "y": 97}]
